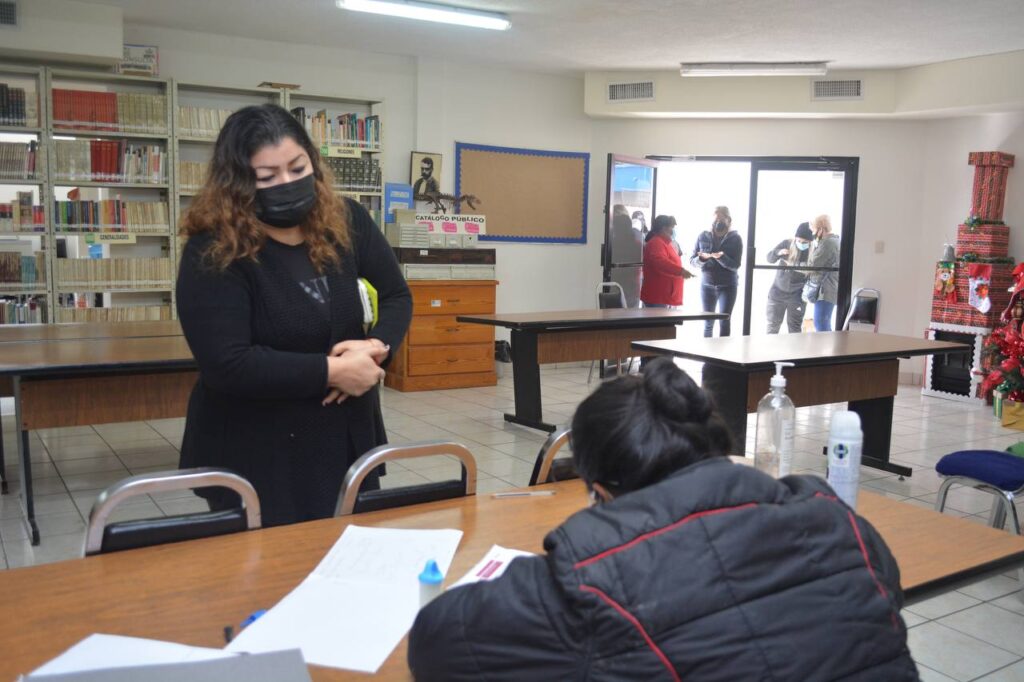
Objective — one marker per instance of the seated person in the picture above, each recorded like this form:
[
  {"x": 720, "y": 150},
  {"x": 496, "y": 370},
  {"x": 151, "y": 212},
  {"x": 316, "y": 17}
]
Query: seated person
[{"x": 687, "y": 566}]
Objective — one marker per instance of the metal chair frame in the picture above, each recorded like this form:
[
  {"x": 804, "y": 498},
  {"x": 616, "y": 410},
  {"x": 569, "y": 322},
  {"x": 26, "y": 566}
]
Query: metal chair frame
[
  {"x": 362, "y": 468},
  {"x": 877, "y": 298},
  {"x": 1002, "y": 500},
  {"x": 546, "y": 455},
  {"x": 165, "y": 481},
  {"x": 622, "y": 304}
]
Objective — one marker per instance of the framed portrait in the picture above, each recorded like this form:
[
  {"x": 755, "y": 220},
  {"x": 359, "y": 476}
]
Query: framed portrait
[{"x": 425, "y": 173}]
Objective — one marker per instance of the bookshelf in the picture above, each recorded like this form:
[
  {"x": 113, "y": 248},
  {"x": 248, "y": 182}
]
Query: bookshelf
[
  {"x": 25, "y": 292},
  {"x": 350, "y": 135},
  {"x": 97, "y": 170}
]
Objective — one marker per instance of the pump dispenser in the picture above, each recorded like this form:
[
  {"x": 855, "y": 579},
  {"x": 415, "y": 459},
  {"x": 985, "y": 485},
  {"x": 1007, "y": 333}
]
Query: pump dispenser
[{"x": 776, "y": 415}]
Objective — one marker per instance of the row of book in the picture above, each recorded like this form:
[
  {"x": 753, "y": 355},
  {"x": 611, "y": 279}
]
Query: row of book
[
  {"x": 134, "y": 313},
  {"x": 110, "y": 161},
  {"x": 201, "y": 121},
  {"x": 128, "y": 273},
  {"x": 22, "y": 215},
  {"x": 192, "y": 175},
  {"x": 126, "y": 112},
  {"x": 356, "y": 174},
  {"x": 18, "y": 160},
  {"x": 111, "y": 215},
  {"x": 22, "y": 310},
  {"x": 348, "y": 130},
  {"x": 14, "y": 109},
  {"x": 16, "y": 268}
]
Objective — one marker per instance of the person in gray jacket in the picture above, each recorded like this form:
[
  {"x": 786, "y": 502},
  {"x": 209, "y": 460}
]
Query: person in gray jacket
[
  {"x": 785, "y": 297},
  {"x": 824, "y": 255}
]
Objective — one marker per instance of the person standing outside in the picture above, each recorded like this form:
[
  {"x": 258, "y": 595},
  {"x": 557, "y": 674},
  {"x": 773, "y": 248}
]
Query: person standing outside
[
  {"x": 785, "y": 299},
  {"x": 663, "y": 270},
  {"x": 718, "y": 253},
  {"x": 825, "y": 254}
]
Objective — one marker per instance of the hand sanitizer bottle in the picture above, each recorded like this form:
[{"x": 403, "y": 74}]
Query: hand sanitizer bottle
[
  {"x": 431, "y": 580},
  {"x": 845, "y": 441},
  {"x": 776, "y": 415}
]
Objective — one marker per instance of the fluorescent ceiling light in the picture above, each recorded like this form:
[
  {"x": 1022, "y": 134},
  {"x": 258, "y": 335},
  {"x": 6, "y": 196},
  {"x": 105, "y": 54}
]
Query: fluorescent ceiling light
[
  {"x": 754, "y": 69},
  {"x": 429, "y": 12}
]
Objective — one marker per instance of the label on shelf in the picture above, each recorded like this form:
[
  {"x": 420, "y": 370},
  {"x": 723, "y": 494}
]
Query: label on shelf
[
  {"x": 338, "y": 151},
  {"x": 110, "y": 238}
]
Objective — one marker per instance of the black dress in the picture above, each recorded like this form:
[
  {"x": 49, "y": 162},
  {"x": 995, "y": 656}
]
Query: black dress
[{"x": 261, "y": 341}]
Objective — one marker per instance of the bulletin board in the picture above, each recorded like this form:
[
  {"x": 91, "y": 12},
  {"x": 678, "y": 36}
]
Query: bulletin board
[{"x": 527, "y": 195}]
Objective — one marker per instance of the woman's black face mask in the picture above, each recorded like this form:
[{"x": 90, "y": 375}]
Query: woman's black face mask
[{"x": 288, "y": 204}]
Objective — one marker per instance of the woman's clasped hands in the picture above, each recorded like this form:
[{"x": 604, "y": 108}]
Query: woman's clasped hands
[{"x": 353, "y": 368}]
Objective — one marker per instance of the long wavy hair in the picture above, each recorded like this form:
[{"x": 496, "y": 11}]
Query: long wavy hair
[{"x": 226, "y": 205}]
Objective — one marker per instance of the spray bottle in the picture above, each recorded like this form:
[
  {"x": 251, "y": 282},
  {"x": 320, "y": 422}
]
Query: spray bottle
[
  {"x": 776, "y": 415},
  {"x": 845, "y": 441}
]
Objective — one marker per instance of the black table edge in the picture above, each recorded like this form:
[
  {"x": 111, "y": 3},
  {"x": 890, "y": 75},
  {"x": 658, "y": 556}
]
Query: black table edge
[
  {"x": 798, "y": 362},
  {"x": 562, "y": 325}
]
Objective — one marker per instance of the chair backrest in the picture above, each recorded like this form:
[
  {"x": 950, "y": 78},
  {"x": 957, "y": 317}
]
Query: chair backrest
[
  {"x": 102, "y": 537},
  {"x": 865, "y": 306},
  {"x": 547, "y": 469},
  {"x": 610, "y": 295},
  {"x": 352, "y": 501}
]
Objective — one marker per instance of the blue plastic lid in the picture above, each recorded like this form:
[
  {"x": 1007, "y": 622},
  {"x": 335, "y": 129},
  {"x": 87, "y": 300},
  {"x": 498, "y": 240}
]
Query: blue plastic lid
[{"x": 431, "y": 574}]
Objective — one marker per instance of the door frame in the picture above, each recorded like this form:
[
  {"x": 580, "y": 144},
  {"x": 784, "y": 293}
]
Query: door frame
[
  {"x": 606, "y": 256},
  {"x": 849, "y": 165}
]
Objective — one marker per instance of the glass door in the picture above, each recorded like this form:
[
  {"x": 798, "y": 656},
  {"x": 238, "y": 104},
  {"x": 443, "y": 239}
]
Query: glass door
[
  {"x": 629, "y": 212},
  {"x": 782, "y": 253}
]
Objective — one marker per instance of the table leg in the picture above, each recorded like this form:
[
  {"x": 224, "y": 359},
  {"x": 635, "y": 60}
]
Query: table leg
[
  {"x": 728, "y": 388},
  {"x": 526, "y": 379},
  {"x": 876, "y": 422},
  {"x": 25, "y": 459}
]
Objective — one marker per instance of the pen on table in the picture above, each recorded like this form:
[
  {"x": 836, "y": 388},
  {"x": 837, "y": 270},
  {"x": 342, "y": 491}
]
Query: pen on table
[{"x": 525, "y": 493}]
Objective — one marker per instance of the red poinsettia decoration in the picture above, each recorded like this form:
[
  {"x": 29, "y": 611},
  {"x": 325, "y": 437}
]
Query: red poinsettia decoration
[{"x": 1001, "y": 356}]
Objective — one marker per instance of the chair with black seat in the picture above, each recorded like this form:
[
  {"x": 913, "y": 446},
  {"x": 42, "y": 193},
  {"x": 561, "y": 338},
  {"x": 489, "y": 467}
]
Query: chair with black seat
[
  {"x": 354, "y": 501},
  {"x": 548, "y": 469},
  {"x": 864, "y": 308},
  {"x": 102, "y": 537},
  {"x": 610, "y": 295},
  {"x": 1000, "y": 474}
]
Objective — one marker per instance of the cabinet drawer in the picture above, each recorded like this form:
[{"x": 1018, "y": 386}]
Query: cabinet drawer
[
  {"x": 427, "y": 360},
  {"x": 435, "y": 330},
  {"x": 437, "y": 299}
]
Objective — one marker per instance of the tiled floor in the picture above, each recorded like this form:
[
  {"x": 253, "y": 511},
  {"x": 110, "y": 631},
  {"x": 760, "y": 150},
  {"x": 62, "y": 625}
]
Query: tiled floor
[{"x": 976, "y": 633}]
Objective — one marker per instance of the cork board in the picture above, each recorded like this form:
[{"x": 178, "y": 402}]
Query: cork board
[{"x": 527, "y": 195}]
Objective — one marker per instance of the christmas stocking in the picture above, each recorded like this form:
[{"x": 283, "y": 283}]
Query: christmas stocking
[{"x": 979, "y": 276}]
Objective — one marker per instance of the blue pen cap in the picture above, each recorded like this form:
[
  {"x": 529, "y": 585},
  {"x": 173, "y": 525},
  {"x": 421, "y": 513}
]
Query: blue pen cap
[{"x": 431, "y": 574}]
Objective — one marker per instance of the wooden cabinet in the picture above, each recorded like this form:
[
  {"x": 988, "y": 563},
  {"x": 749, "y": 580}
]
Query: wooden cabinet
[{"x": 439, "y": 352}]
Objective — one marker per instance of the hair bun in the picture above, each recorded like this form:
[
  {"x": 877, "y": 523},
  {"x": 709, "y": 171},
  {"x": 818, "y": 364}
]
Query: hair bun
[{"x": 673, "y": 394}]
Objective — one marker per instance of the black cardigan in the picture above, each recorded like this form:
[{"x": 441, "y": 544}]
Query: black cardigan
[
  {"x": 261, "y": 344},
  {"x": 717, "y": 573}
]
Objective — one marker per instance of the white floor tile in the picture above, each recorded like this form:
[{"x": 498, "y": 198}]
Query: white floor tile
[
  {"x": 991, "y": 624},
  {"x": 1011, "y": 673},
  {"x": 943, "y": 605},
  {"x": 954, "y": 653}
]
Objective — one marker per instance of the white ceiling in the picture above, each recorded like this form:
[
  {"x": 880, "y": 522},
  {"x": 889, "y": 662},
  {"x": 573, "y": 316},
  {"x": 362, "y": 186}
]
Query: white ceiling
[{"x": 580, "y": 35}]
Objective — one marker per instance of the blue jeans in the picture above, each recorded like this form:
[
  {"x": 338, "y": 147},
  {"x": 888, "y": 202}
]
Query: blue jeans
[
  {"x": 823, "y": 315},
  {"x": 722, "y": 295}
]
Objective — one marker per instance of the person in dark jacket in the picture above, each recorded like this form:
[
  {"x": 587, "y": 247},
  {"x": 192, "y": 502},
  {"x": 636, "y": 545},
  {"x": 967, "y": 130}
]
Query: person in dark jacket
[
  {"x": 785, "y": 298},
  {"x": 269, "y": 303},
  {"x": 687, "y": 567},
  {"x": 718, "y": 253}
]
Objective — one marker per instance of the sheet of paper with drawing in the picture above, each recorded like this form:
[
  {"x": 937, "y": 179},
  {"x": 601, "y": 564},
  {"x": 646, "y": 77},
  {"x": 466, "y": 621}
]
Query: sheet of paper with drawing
[
  {"x": 492, "y": 565},
  {"x": 355, "y": 607}
]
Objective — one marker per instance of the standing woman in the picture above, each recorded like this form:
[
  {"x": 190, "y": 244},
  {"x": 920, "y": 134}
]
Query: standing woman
[
  {"x": 785, "y": 298},
  {"x": 824, "y": 255},
  {"x": 662, "y": 269},
  {"x": 718, "y": 253},
  {"x": 269, "y": 302}
]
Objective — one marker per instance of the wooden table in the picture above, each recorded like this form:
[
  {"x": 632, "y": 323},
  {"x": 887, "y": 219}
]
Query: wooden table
[
  {"x": 572, "y": 336},
  {"x": 859, "y": 368},
  {"x": 20, "y": 333},
  {"x": 188, "y": 592},
  {"x": 83, "y": 381}
]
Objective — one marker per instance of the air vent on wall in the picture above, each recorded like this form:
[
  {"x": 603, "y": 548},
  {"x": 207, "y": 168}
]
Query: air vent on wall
[
  {"x": 8, "y": 13},
  {"x": 640, "y": 91},
  {"x": 837, "y": 89}
]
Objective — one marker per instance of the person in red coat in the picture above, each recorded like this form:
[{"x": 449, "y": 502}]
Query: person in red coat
[{"x": 663, "y": 270}]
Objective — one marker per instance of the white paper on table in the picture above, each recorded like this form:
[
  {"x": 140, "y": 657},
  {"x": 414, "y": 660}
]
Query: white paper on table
[
  {"x": 358, "y": 603},
  {"x": 98, "y": 652},
  {"x": 492, "y": 565}
]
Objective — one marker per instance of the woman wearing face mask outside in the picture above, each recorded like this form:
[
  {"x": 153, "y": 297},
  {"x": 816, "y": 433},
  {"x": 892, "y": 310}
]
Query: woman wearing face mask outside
[
  {"x": 785, "y": 297},
  {"x": 269, "y": 303},
  {"x": 663, "y": 270},
  {"x": 824, "y": 254},
  {"x": 718, "y": 253}
]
